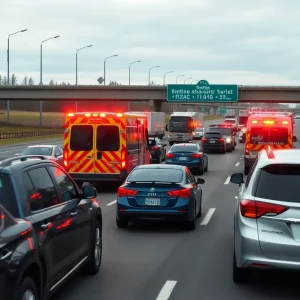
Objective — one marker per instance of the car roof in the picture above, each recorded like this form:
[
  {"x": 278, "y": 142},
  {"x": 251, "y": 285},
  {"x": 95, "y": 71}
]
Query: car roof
[
  {"x": 39, "y": 146},
  {"x": 278, "y": 156},
  {"x": 213, "y": 132},
  {"x": 161, "y": 166}
]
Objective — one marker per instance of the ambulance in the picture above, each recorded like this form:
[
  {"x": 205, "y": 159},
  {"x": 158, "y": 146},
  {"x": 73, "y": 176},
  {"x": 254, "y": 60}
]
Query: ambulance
[
  {"x": 103, "y": 146},
  {"x": 266, "y": 129}
]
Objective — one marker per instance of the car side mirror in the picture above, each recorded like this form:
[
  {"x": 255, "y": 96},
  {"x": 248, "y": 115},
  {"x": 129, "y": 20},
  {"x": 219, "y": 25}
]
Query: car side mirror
[
  {"x": 200, "y": 181},
  {"x": 237, "y": 178},
  {"x": 294, "y": 139},
  {"x": 89, "y": 192}
]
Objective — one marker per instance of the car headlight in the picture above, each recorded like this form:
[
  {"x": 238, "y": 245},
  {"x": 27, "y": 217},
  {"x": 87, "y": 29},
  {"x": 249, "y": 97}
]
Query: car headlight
[{"x": 228, "y": 140}]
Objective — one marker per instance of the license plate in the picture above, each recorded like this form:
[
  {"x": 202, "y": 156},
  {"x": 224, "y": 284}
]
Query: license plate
[
  {"x": 254, "y": 152},
  {"x": 212, "y": 141},
  {"x": 152, "y": 201},
  {"x": 183, "y": 158}
]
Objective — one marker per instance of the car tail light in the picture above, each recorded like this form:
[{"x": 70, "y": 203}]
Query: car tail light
[
  {"x": 185, "y": 193},
  {"x": 196, "y": 155},
  {"x": 204, "y": 139},
  {"x": 123, "y": 192},
  {"x": 123, "y": 159},
  {"x": 255, "y": 209},
  {"x": 65, "y": 163},
  {"x": 170, "y": 155},
  {"x": 221, "y": 140},
  {"x": 247, "y": 150},
  {"x": 154, "y": 148}
]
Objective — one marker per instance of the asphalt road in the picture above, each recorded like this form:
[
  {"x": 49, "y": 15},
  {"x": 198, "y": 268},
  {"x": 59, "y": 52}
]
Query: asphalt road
[{"x": 160, "y": 261}]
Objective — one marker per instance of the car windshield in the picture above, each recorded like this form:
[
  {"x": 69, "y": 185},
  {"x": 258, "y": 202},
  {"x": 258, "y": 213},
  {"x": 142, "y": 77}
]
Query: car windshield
[
  {"x": 183, "y": 148},
  {"x": 157, "y": 175},
  {"x": 223, "y": 131},
  {"x": 47, "y": 151},
  {"x": 199, "y": 130},
  {"x": 209, "y": 135},
  {"x": 279, "y": 182}
]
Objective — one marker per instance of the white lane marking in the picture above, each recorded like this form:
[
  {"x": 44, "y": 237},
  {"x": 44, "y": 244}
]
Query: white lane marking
[
  {"x": 167, "y": 290},
  {"x": 227, "y": 180},
  {"x": 237, "y": 164},
  {"x": 111, "y": 203},
  {"x": 208, "y": 216}
]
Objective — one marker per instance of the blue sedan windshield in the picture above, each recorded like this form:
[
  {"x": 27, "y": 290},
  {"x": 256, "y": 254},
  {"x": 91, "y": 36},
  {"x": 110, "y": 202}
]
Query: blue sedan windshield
[{"x": 157, "y": 175}]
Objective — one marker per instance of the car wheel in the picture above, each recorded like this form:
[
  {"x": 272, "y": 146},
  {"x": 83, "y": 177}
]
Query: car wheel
[
  {"x": 239, "y": 275},
  {"x": 201, "y": 169},
  {"x": 206, "y": 168},
  {"x": 191, "y": 225},
  {"x": 93, "y": 266},
  {"x": 230, "y": 149},
  {"x": 122, "y": 222},
  {"x": 28, "y": 290},
  {"x": 224, "y": 151}
]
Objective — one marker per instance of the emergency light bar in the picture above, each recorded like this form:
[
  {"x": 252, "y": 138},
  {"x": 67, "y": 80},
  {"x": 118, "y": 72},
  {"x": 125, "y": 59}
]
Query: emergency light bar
[{"x": 95, "y": 114}]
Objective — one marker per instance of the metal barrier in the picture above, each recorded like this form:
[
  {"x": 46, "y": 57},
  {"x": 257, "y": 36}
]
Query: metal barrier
[{"x": 14, "y": 135}]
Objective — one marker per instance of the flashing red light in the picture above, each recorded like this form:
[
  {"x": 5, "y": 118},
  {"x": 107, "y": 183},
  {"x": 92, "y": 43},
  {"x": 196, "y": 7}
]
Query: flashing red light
[
  {"x": 254, "y": 122},
  {"x": 87, "y": 115},
  {"x": 65, "y": 163},
  {"x": 285, "y": 122},
  {"x": 119, "y": 115},
  {"x": 269, "y": 122},
  {"x": 95, "y": 115},
  {"x": 102, "y": 115},
  {"x": 123, "y": 192},
  {"x": 185, "y": 193},
  {"x": 70, "y": 115},
  {"x": 255, "y": 209},
  {"x": 247, "y": 149}
]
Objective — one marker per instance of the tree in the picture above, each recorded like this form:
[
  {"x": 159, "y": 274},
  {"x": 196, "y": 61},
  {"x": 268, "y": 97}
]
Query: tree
[
  {"x": 51, "y": 82},
  {"x": 4, "y": 80},
  {"x": 31, "y": 81},
  {"x": 1, "y": 80},
  {"x": 63, "y": 83},
  {"x": 153, "y": 83},
  {"x": 114, "y": 83},
  {"x": 14, "y": 80},
  {"x": 25, "y": 81}
]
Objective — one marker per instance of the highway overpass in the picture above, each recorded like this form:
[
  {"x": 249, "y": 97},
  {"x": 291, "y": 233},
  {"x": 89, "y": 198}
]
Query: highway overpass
[{"x": 155, "y": 94}]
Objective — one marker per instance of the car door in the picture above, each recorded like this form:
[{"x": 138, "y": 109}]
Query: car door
[
  {"x": 203, "y": 155},
  {"x": 195, "y": 189},
  {"x": 58, "y": 155},
  {"x": 52, "y": 221},
  {"x": 78, "y": 210}
]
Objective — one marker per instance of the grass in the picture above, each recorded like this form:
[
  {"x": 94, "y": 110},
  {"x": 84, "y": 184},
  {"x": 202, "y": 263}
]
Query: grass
[
  {"x": 33, "y": 118},
  {"x": 18, "y": 128},
  {"x": 8, "y": 142}
]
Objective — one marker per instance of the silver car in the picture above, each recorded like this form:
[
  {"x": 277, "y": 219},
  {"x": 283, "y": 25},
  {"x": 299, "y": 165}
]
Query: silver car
[
  {"x": 267, "y": 216},
  {"x": 53, "y": 152}
]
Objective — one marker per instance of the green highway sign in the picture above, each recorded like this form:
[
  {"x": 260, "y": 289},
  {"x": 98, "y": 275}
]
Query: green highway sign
[{"x": 202, "y": 92}]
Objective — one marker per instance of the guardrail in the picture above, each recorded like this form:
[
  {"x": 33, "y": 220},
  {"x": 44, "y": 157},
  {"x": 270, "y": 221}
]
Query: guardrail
[{"x": 15, "y": 135}]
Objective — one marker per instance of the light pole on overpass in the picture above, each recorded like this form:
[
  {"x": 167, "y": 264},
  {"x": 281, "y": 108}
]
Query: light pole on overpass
[
  {"x": 165, "y": 76},
  {"x": 41, "y": 74},
  {"x": 150, "y": 71},
  {"x": 77, "y": 65},
  {"x": 138, "y": 61},
  {"x": 187, "y": 79},
  {"x": 195, "y": 81},
  {"x": 178, "y": 77},
  {"x": 105, "y": 64},
  {"x": 8, "y": 103}
]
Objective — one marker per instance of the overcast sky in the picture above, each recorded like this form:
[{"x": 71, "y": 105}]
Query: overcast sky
[{"x": 222, "y": 41}]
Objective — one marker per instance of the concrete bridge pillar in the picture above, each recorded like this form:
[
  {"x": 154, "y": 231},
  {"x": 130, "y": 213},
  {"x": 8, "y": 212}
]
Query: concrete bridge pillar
[{"x": 156, "y": 105}]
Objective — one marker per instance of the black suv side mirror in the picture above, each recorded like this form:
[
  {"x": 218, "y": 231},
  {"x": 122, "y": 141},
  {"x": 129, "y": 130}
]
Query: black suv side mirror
[
  {"x": 89, "y": 192},
  {"x": 237, "y": 178},
  {"x": 200, "y": 181}
]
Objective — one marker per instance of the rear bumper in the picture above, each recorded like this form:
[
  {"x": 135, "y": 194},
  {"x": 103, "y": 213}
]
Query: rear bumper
[
  {"x": 100, "y": 177},
  {"x": 214, "y": 147}
]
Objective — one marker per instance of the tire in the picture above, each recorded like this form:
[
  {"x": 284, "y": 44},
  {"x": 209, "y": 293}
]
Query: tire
[
  {"x": 27, "y": 286},
  {"x": 206, "y": 168},
  {"x": 191, "y": 225},
  {"x": 122, "y": 222},
  {"x": 230, "y": 149},
  {"x": 200, "y": 208},
  {"x": 201, "y": 170},
  {"x": 239, "y": 275},
  {"x": 94, "y": 263},
  {"x": 224, "y": 151},
  {"x": 246, "y": 170}
]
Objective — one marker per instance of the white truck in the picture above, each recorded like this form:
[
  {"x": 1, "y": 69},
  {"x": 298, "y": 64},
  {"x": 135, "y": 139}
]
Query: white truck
[
  {"x": 156, "y": 123},
  {"x": 230, "y": 113},
  {"x": 243, "y": 118},
  {"x": 182, "y": 125}
]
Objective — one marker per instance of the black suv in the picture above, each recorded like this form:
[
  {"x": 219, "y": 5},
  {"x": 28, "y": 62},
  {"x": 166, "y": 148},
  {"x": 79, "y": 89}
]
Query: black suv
[
  {"x": 228, "y": 133},
  {"x": 49, "y": 228}
]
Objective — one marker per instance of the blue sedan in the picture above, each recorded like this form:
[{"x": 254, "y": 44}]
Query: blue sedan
[
  {"x": 160, "y": 192},
  {"x": 189, "y": 155}
]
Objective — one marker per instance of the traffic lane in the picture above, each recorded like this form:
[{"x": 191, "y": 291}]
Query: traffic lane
[
  {"x": 202, "y": 265},
  {"x": 131, "y": 257},
  {"x": 10, "y": 151}
]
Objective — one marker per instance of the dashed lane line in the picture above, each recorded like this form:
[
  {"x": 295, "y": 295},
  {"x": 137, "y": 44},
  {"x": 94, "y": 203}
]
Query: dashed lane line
[
  {"x": 167, "y": 290},
  {"x": 237, "y": 164},
  {"x": 227, "y": 180},
  {"x": 111, "y": 203},
  {"x": 208, "y": 216}
]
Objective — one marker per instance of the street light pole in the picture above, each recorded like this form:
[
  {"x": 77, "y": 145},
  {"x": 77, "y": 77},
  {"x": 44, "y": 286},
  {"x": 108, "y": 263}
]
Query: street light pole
[
  {"x": 194, "y": 81},
  {"x": 138, "y": 61},
  {"x": 165, "y": 76},
  {"x": 76, "y": 104},
  {"x": 7, "y": 80},
  {"x": 187, "y": 80},
  {"x": 105, "y": 64},
  {"x": 41, "y": 74},
  {"x": 178, "y": 77},
  {"x": 150, "y": 71}
]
